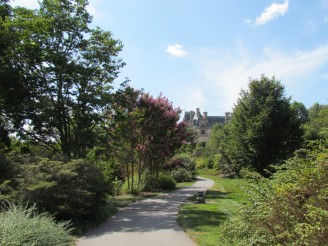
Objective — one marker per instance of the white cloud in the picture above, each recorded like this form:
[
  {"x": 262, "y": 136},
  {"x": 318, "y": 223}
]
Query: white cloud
[
  {"x": 272, "y": 12},
  {"x": 176, "y": 50},
  {"x": 226, "y": 78}
]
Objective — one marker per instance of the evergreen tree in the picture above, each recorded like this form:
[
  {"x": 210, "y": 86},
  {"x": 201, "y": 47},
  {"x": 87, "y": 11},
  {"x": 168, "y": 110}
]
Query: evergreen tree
[{"x": 264, "y": 129}]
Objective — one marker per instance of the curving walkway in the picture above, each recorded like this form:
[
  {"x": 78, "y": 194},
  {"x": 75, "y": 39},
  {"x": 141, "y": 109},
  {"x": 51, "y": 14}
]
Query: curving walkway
[{"x": 147, "y": 222}]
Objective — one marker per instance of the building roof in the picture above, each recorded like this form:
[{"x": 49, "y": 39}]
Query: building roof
[{"x": 212, "y": 120}]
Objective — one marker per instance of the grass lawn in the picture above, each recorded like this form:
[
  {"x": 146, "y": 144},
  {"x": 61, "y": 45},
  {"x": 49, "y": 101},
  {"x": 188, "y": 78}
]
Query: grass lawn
[{"x": 202, "y": 221}]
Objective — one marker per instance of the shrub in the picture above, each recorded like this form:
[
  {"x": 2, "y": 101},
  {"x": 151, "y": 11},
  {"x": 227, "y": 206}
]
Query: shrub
[
  {"x": 182, "y": 161},
  {"x": 23, "y": 226},
  {"x": 7, "y": 172},
  {"x": 288, "y": 209},
  {"x": 200, "y": 163},
  {"x": 209, "y": 162},
  {"x": 166, "y": 182},
  {"x": 150, "y": 181},
  {"x": 71, "y": 190},
  {"x": 181, "y": 175}
]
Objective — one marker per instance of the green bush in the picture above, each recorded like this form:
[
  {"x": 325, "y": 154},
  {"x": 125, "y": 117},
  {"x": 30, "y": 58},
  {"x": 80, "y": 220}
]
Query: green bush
[
  {"x": 290, "y": 208},
  {"x": 200, "y": 163},
  {"x": 23, "y": 226},
  {"x": 70, "y": 190},
  {"x": 166, "y": 182},
  {"x": 181, "y": 175},
  {"x": 209, "y": 162},
  {"x": 7, "y": 173},
  {"x": 182, "y": 161}
]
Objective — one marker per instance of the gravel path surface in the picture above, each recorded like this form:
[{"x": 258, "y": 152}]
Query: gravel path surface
[{"x": 148, "y": 222}]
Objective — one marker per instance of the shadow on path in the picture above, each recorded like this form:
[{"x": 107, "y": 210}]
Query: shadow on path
[{"x": 147, "y": 222}]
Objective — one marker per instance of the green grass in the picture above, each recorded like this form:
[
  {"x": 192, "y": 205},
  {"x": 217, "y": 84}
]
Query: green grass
[{"x": 202, "y": 221}]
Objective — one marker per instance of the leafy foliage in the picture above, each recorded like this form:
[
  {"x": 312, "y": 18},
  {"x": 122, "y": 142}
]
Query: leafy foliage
[
  {"x": 289, "y": 209},
  {"x": 263, "y": 129},
  {"x": 181, "y": 161},
  {"x": 182, "y": 168},
  {"x": 24, "y": 226},
  {"x": 182, "y": 175},
  {"x": 166, "y": 182},
  {"x": 301, "y": 112},
  {"x": 56, "y": 74},
  {"x": 143, "y": 134},
  {"x": 70, "y": 190},
  {"x": 317, "y": 125}
]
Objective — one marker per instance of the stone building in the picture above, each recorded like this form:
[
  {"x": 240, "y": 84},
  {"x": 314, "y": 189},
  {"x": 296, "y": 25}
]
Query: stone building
[{"x": 203, "y": 123}]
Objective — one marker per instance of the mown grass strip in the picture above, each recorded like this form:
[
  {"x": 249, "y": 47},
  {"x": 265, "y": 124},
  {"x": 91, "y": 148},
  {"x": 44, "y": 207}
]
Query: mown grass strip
[{"x": 202, "y": 221}]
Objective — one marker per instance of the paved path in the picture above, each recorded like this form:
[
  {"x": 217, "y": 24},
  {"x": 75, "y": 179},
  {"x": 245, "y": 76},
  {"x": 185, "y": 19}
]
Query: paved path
[{"x": 148, "y": 222}]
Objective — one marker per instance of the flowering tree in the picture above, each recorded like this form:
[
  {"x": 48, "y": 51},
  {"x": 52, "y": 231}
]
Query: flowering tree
[
  {"x": 144, "y": 132},
  {"x": 161, "y": 134}
]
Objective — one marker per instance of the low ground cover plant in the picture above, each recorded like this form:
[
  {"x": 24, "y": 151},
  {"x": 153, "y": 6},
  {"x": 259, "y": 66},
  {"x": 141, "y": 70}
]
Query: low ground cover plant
[{"x": 22, "y": 225}]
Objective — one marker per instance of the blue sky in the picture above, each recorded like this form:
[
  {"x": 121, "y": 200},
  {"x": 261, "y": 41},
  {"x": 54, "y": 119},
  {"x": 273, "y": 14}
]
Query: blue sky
[{"x": 202, "y": 53}]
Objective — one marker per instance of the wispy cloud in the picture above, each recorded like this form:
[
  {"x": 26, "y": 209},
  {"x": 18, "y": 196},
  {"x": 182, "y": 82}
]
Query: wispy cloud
[
  {"x": 176, "y": 50},
  {"x": 272, "y": 12},
  {"x": 228, "y": 76}
]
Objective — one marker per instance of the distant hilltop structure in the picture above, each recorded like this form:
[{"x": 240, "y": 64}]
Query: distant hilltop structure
[{"x": 203, "y": 123}]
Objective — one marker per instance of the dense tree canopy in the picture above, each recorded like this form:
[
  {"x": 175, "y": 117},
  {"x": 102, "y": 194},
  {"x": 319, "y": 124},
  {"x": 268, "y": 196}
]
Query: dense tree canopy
[
  {"x": 263, "y": 130},
  {"x": 56, "y": 74},
  {"x": 317, "y": 125}
]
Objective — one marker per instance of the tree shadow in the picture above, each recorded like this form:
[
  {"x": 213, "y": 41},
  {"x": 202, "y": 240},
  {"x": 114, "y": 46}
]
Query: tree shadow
[
  {"x": 198, "y": 218},
  {"x": 215, "y": 194}
]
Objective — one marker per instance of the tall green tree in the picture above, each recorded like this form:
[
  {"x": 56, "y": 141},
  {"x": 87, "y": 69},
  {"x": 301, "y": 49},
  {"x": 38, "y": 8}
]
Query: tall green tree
[
  {"x": 317, "y": 125},
  {"x": 264, "y": 130},
  {"x": 66, "y": 69},
  {"x": 301, "y": 112}
]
